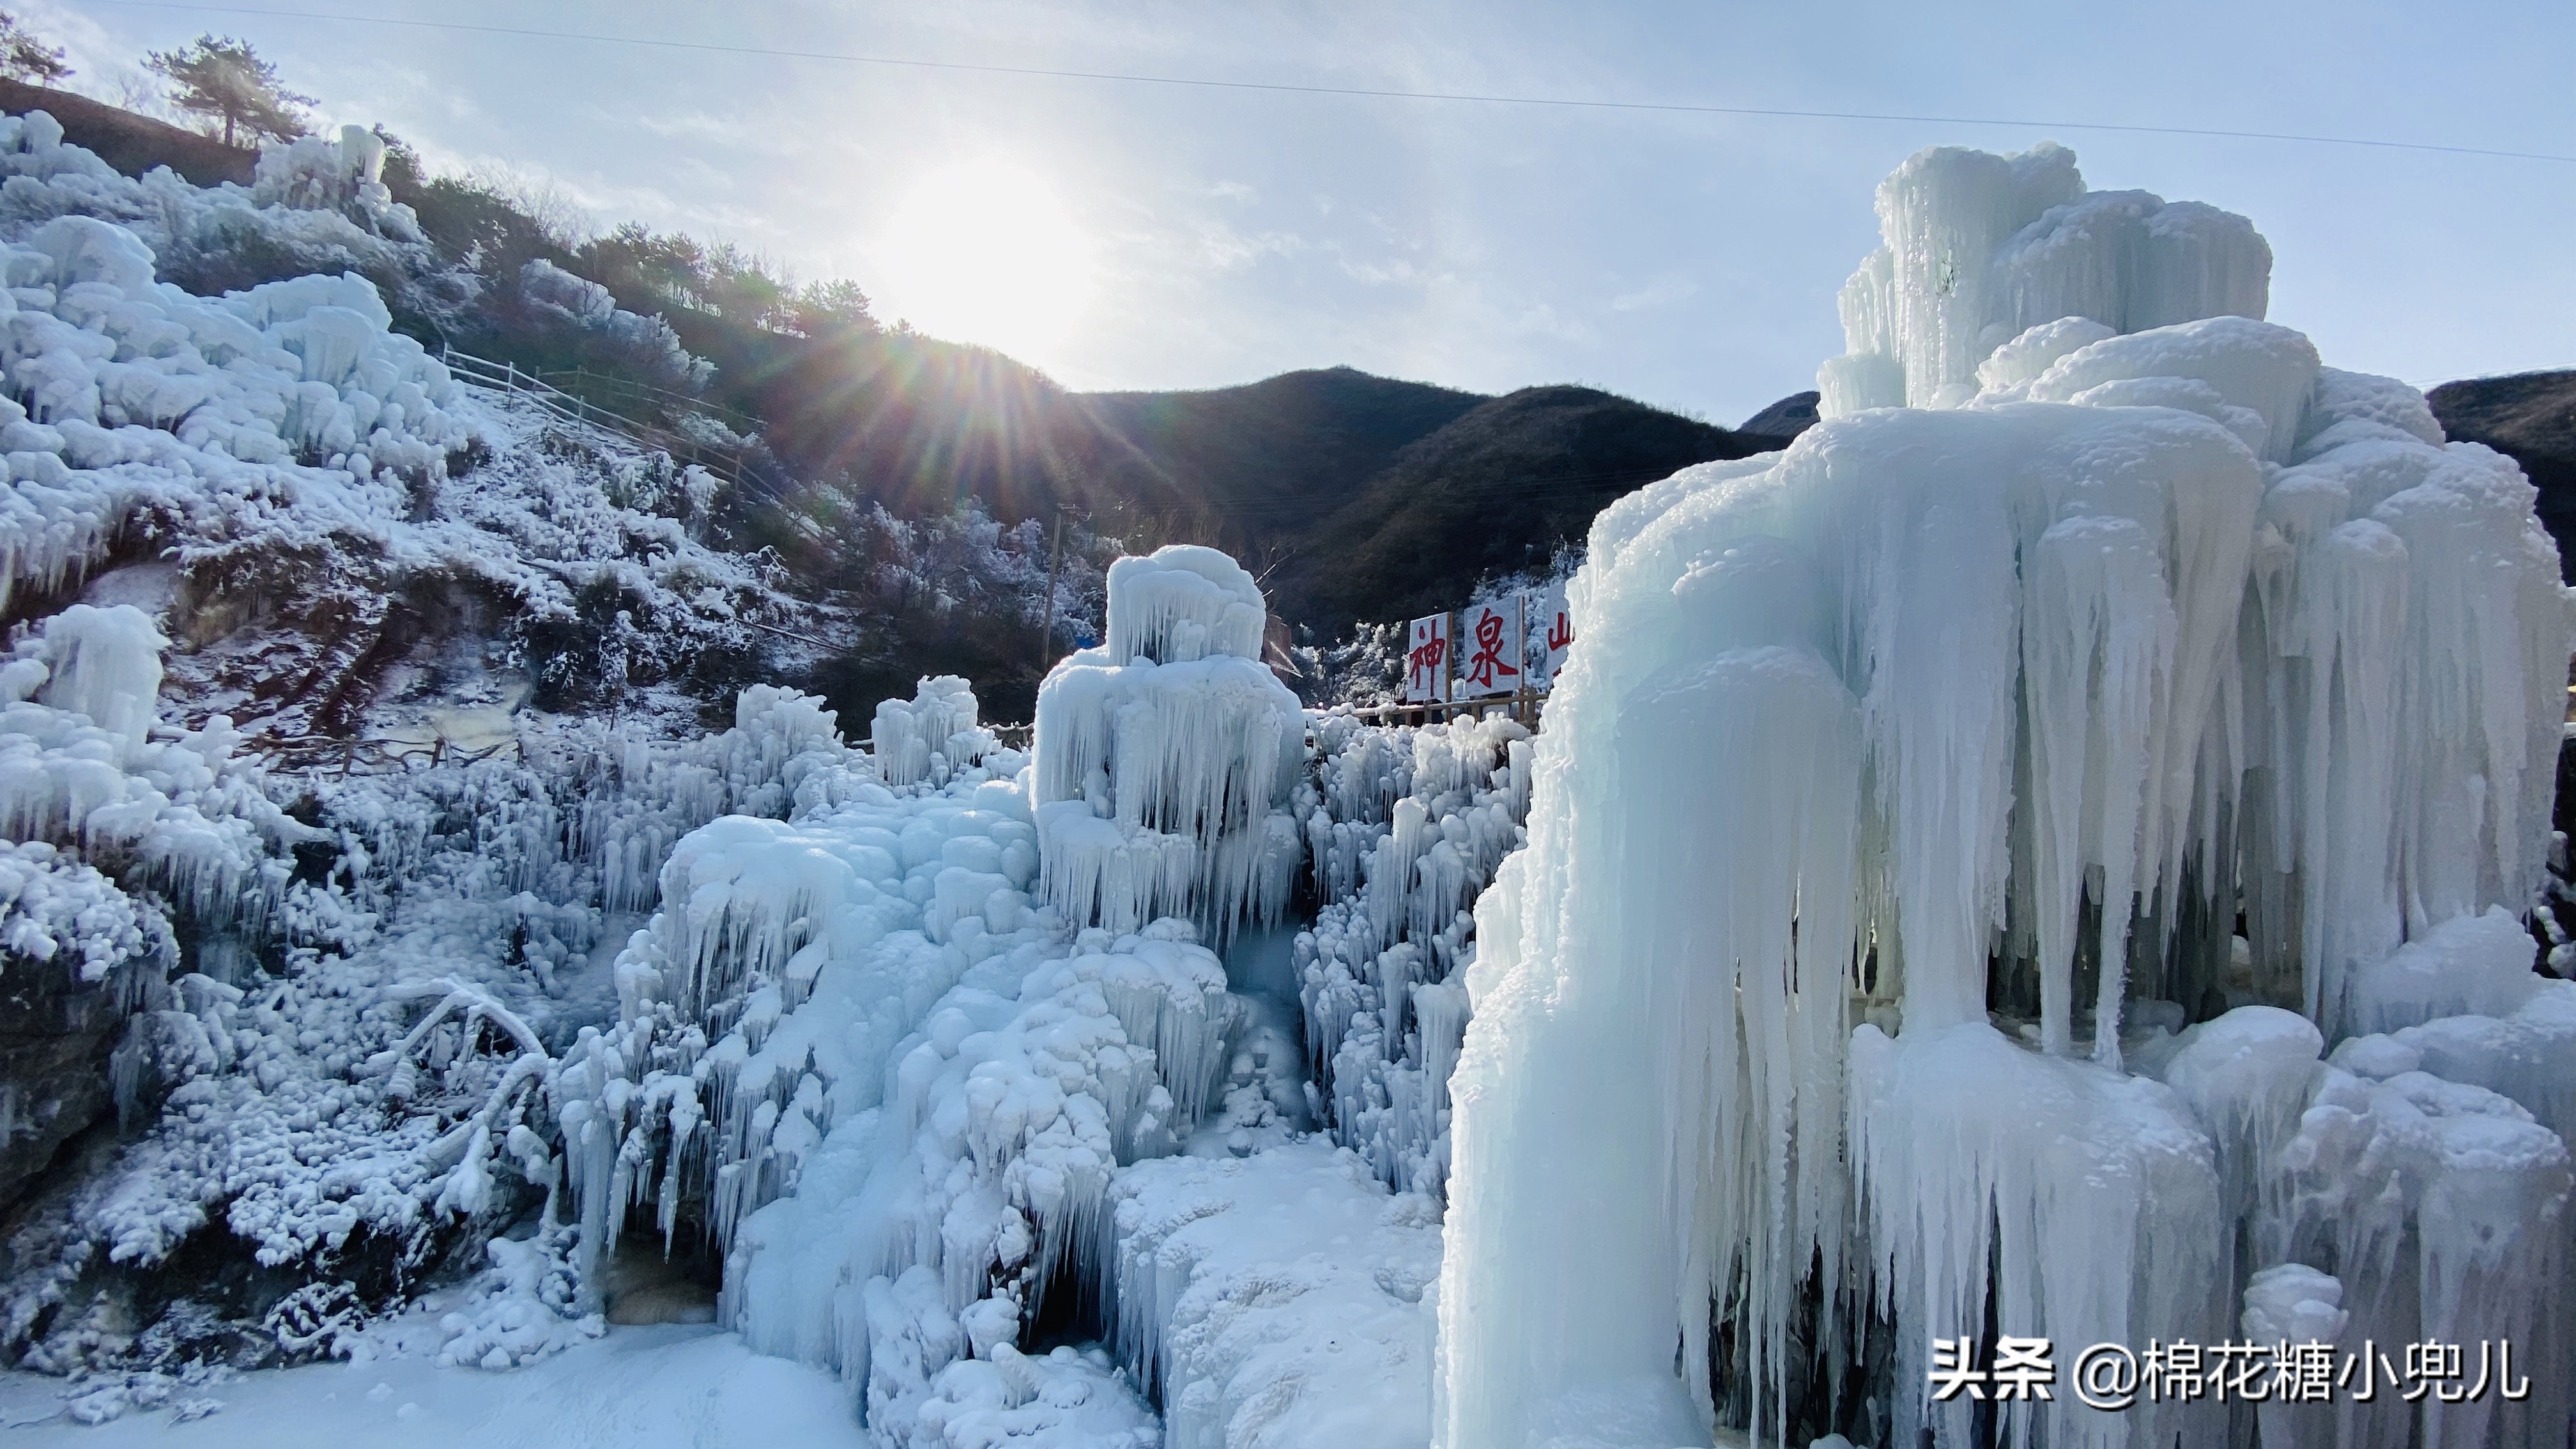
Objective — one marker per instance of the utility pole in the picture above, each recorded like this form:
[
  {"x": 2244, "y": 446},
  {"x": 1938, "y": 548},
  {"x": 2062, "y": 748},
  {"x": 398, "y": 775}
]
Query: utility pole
[{"x": 1046, "y": 615}]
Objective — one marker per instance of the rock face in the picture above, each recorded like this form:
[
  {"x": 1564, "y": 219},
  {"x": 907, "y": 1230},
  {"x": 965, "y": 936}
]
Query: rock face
[
  {"x": 2531, "y": 418},
  {"x": 55, "y": 1035}
]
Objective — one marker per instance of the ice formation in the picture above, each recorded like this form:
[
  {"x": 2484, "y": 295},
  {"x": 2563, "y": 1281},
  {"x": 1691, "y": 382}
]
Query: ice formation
[
  {"x": 1164, "y": 757},
  {"x": 318, "y": 201},
  {"x": 1905, "y": 786},
  {"x": 915, "y": 740},
  {"x": 1407, "y": 828}
]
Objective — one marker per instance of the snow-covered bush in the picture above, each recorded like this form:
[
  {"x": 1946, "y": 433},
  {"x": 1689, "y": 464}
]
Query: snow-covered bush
[{"x": 646, "y": 343}]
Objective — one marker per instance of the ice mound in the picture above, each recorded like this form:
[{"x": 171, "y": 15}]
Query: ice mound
[
  {"x": 918, "y": 742},
  {"x": 129, "y": 392},
  {"x": 2097, "y": 612},
  {"x": 1165, "y": 756}
]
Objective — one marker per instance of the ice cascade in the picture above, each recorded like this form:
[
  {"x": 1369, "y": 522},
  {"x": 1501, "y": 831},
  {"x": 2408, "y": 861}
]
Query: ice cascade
[
  {"x": 1905, "y": 794},
  {"x": 1164, "y": 757}
]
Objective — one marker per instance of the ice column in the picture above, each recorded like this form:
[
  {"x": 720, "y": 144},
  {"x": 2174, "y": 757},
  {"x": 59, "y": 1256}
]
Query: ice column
[
  {"x": 1165, "y": 757},
  {"x": 1981, "y": 248}
]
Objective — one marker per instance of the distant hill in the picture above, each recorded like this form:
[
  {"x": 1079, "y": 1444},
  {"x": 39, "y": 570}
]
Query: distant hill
[
  {"x": 1494, "y": 492},
  {"x": 1272, "y": 457},
  {"x": 2530, "y": 417}
]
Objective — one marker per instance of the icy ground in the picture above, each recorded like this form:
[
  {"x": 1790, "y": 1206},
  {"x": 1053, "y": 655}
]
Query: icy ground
[{"x": 658, "y": 1386}]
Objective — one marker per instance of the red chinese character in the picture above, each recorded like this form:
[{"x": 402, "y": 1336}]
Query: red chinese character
[
  {"x": 1487, "y": 662},
  {"x": 1424, "y": 664}
]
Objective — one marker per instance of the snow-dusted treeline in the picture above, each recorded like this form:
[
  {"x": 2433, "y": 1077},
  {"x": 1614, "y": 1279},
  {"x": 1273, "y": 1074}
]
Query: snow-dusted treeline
[{"x": 1957, "y": 843}]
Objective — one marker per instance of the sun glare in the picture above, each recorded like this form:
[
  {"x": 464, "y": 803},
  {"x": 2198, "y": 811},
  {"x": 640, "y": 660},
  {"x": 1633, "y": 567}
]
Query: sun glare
[{"x": 985, "y": 252}]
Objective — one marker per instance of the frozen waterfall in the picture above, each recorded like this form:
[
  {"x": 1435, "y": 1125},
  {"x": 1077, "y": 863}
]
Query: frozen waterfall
[{"x": 1904, "y": 798}]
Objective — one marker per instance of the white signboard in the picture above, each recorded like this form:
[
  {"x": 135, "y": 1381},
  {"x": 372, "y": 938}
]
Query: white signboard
[
  {"x": 1426, "y": 661},
  {"x": 1491, "y": 657},
  {"x": 1549, "y": 606}
]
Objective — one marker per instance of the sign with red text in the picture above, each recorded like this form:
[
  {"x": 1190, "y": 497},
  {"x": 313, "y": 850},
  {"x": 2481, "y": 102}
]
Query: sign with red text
[
  {"x": 1492, "y": 650},
  {"x": 1426, "y": 661}
]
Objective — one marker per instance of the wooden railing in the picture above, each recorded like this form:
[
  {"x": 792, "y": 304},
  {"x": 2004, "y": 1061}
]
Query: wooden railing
[
  {"x": 484, "y": 373},
  {"x": 372, "y": 756},
  {"x": 1524, "y": 706}
]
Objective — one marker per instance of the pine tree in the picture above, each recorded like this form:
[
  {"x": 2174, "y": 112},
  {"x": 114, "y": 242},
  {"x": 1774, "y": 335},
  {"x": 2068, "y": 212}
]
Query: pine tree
[
  {"x": 219, "y": 77},
  {"x": 25, "y": 58}
]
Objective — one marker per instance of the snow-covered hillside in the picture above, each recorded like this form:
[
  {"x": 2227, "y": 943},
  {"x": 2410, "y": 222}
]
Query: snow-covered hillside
[{"x": 2043, "y": 857}]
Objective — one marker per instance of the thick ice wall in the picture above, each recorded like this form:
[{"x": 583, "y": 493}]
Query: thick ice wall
[
  {"x": 1981, "y": 248},
  {"x": 2139, "y": 625}
]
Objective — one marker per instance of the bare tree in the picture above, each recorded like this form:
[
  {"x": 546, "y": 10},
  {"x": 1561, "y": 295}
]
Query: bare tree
[
  {"x": 25, "y": 58},
  {"x": 223, "y": 79}
]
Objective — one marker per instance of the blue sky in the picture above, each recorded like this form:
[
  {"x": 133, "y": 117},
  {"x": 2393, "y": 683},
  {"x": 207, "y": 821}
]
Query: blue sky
[{"x": 1182, "y": 237}]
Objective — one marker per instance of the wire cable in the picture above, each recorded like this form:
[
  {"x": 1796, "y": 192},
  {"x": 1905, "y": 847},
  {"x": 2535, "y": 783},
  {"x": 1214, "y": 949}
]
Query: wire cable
[{"x": 1370, "y": 92}]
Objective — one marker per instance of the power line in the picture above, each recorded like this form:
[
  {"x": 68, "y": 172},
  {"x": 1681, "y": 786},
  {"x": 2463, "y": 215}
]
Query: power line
[{"x": 1287, "y": 88}]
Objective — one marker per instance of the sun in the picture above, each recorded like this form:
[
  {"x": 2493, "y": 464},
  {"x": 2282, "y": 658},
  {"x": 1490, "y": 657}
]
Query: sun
[{"x": 986, "y": 252}]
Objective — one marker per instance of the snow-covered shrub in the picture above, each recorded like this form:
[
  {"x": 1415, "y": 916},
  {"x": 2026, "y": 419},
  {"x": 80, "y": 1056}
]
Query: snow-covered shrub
[
  {"x": 646, "y": 344},
  {"x": 54, "y": 905}
]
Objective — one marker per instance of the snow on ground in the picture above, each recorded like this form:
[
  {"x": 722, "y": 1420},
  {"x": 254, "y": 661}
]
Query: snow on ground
[
  {"x": 669, "y": 1387},
  {"x": 1277, "y": 1299}
]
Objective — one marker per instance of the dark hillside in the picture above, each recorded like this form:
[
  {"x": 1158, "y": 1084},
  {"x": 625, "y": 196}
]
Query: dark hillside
[
  {"x": 919, "y": 425},
  {"x": 132, "y": 144},
  {"x": 2530, "y": 417},
  {"x": 1274, "y": 457},
  {"x": 1494, "y": 492}
]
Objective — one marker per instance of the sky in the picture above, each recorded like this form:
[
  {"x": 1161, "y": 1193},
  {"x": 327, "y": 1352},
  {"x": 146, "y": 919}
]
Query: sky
[{"x": 1125, "y": 235}]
